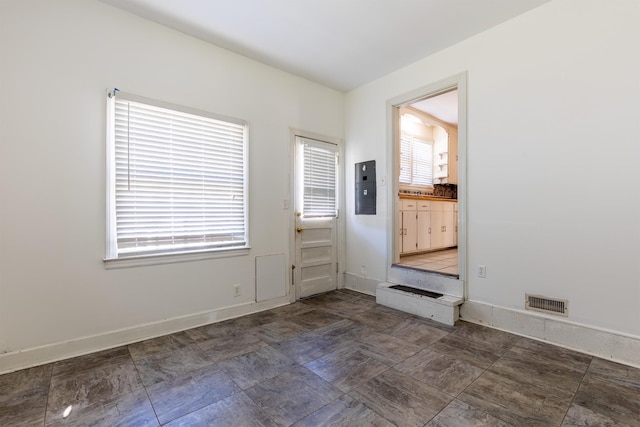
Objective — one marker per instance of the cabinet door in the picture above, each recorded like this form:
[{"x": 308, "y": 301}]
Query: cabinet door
[
  {"x": 409, "y": 231},
  {"x": 424, "y": 230},
  {"x": 448, "y": 234},
  {"x": 437, "y": 229},
  {"x": 455, "y": 227}
]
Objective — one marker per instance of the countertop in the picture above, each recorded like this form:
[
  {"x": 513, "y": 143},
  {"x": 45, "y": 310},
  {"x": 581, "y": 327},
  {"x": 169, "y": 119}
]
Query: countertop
[{"x": 425, "y": 197}]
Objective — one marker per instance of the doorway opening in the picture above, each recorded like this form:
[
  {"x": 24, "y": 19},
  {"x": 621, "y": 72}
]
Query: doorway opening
[
  {"x": 427, "y": 198},
  {"x": 428, "y": 184}
]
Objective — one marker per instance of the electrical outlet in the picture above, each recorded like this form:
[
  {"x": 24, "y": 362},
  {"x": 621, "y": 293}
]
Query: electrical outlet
[
  {"x": 482, "y": 270},
  {"x": 236, "y": 290}
]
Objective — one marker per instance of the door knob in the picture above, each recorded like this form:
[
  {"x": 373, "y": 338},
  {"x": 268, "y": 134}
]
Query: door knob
[{"x": 299, "y": 229}]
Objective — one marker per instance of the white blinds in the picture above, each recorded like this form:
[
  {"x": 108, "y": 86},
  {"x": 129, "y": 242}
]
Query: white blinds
[
  {"x": 319, "y": 172},
  {"x": 179, "y": 180},
  {"x": 405, "y": 159},
  {"x": 416, "y": 161},
  {"x": 422, "y": 162}
]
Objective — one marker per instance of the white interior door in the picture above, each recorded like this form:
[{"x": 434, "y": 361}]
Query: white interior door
[{"x": 316, "y": 184}]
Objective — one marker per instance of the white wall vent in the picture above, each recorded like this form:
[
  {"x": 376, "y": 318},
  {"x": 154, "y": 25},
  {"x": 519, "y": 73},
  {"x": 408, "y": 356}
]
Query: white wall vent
[{"x": 559, "y": 307}]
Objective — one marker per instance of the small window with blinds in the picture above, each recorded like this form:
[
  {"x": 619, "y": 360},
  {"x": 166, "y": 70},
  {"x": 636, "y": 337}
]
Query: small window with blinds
[
  {"x": 416, "y": 161},
  {"x": 177, "y": 179},
  {"x": 319, "y": 163}
]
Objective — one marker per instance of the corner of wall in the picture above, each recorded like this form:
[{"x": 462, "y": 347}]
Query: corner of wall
[{"x": 361, "y": 284}]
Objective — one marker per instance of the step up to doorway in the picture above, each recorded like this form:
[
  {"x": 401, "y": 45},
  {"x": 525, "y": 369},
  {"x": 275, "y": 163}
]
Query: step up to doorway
[{"x": 441, "y": 308}]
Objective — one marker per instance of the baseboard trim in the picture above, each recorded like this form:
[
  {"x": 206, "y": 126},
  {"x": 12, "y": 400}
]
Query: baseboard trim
[
  {"x": 28, "y": 358},
  {"x": 611, "y": 345},
  {"x": 361, "y": 284}
]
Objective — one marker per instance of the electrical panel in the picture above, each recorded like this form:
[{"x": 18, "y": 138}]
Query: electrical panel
[{"x": 366, "y": 188}]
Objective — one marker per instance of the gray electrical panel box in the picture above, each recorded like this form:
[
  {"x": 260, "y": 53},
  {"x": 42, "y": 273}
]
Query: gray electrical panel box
[{"x": 366, "y": 188}]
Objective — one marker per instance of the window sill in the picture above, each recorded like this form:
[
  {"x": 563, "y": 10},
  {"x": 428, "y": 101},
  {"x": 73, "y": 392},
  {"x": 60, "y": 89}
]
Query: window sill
[{"x": 171, "y": 258}]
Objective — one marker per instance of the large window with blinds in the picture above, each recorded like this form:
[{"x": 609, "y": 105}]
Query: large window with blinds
[
  {"x": 177, "y": 179},
  {"x": 319, "y": 164},
  {"x": 416, "y": 161}
]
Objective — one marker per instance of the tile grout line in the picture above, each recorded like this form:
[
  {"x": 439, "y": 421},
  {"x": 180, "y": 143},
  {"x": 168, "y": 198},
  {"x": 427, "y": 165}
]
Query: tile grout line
[
  {"x": 485, "y": 370},
  {"x": 144, "y": 386},
  {"x": 46, "y": 401},
  {"x": 573, "y": 398}
]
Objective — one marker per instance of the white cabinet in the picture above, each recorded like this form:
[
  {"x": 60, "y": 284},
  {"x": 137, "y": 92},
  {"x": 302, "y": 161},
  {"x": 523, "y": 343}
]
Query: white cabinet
[
  {"x": 408, "y": 205},
  {"x": 437, "y": 226},
  {"x": 426, "y": 225},
  {"x": 455, "y": 224},
  {"x": 449, "y": 228},
  {"x": 408, "y": 225},
  {"x": 409, "y": 231},
  {"x": 443, "y": 225}
]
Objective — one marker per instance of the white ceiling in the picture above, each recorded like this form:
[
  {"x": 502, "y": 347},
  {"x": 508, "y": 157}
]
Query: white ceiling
[
  {"x": 342, "y": 44},
  {"x": 444, "y": 106}
]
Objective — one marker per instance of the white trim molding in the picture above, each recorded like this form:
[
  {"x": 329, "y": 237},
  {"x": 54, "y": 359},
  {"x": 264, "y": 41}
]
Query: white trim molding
[
  {"x": 144, "y": 260},
  {"x": 611, "y": 345},
  {"x": 361, "y": 284},
  {"x": 28, "y": 358},
  {"x": 459, "y": 82}
]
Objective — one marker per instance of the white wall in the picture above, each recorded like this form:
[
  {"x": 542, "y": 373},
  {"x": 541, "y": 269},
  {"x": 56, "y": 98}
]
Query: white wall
[
  {"x": 553, "y": 205},
  {"x": 553, "y": 200},
  {"x": 56, "y": 61}
]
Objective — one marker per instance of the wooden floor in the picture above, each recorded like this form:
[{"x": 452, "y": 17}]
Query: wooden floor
[{"x": 335, "y": 359}]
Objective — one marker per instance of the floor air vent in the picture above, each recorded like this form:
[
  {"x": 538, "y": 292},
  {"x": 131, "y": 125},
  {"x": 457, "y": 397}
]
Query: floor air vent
[
  {"x": 559, "y": 307},
  {"x": 416, "y": 291}
]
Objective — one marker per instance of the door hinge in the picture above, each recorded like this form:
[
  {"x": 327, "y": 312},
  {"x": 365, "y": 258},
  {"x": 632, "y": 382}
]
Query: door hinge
[
  {"x": 337, "y": 267},
  {"x": 293, "y": 280}
]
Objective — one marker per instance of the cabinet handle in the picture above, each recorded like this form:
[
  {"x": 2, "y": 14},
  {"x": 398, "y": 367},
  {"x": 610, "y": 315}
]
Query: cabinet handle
[
  {"x": 405, "y": 231},
  {"x": 429, "y": 230}
]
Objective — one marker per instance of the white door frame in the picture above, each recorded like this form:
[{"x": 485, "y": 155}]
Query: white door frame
[
  {"x": 399, "y": 275},
  {"x": 340, "y": 223}
]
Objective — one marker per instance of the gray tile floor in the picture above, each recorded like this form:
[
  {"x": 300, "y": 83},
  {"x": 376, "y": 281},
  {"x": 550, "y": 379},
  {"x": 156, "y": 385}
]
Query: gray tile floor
[
  {"x": 336, "y": 359},
  {"x": 444, "y": 261}
]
